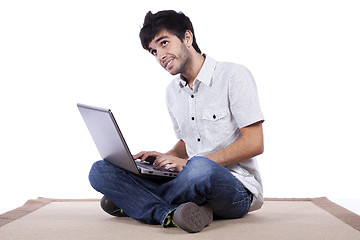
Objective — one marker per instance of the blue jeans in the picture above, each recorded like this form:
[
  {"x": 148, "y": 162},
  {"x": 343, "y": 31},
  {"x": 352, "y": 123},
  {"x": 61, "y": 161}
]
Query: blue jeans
[{"x": 201, "y": 181}]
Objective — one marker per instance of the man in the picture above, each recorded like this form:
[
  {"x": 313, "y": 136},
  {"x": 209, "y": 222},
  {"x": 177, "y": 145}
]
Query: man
[{"x": 218, "y": 121}]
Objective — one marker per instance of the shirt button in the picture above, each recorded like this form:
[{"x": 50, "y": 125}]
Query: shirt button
[
  {"x": 214, "y": 117},
  {"x": 192, "y": 96},
  {"x": 198, "y": 139},
  {"x": 192, "y": 118}
]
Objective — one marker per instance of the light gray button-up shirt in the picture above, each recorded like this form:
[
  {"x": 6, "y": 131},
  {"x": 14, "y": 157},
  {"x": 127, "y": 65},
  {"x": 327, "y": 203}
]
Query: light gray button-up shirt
[{"x": 209, "y": 117}]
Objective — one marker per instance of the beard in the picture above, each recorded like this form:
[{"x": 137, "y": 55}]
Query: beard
[{"x": 184, "y": 61}]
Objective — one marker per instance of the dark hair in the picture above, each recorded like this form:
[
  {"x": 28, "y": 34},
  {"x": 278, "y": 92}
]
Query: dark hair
[{"x": 174, "y": 22}]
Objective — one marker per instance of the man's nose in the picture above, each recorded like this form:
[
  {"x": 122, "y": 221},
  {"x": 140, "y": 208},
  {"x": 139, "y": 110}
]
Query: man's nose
[{"x": 161, "y": 55}]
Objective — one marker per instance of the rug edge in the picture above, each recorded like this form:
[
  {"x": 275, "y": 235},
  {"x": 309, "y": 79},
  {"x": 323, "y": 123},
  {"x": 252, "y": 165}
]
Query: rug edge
[
  {"x": 345, "y": 215},
  {"x": 348, "y": 217},
  {"x": 32, "y": 205}
]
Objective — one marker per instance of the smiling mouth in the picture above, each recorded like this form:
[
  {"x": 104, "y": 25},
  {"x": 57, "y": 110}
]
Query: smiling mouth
[{"x": 168, "y": 63}]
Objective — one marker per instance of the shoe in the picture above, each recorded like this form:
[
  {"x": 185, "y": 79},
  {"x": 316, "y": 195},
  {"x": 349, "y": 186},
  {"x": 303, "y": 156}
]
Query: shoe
[
  {"x": 108, "y": 206},
  {"x": 193, "y": 218}
]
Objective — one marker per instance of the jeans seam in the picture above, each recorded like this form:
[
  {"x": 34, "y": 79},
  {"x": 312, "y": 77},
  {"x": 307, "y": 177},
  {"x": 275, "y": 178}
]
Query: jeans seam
[
  {"x": 241, "y": 191},
  {"x": 231, "y": 186},
  {"x": 144, "y": 188},
  {"x": 163, "y": 217}
]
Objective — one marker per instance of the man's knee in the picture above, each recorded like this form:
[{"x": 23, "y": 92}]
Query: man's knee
[
  {"x": 202, "y": 164},
  {"x": 199, "y": 161},
  {"x": 205, "y": 169},
  {"x": 96, "y": 174},
  {"x": 200, "y": 168}
]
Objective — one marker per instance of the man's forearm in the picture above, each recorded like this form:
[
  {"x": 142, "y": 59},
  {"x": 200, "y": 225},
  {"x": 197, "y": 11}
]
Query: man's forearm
[
  {"x": 179, "y": 150},
  {"x": 248, "y": 146}
]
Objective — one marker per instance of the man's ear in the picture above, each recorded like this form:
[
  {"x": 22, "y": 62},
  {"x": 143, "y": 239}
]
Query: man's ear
[{"x": 188, "y": 38}]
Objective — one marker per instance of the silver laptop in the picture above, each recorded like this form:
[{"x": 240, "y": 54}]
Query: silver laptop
[{"x": 111, "y": 143}]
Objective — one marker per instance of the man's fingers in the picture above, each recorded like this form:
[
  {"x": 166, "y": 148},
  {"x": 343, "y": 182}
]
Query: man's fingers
[
  {"x": 163, "y": 161},
  {"x": 149, "y": 156},
  {"x": 170, "y": 165},
  {"x": 138, "y": 155}
]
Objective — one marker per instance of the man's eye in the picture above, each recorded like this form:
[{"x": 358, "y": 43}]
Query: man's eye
[
  {"x": 153, "y": 52},
  {"x": 164, "y": 43}
]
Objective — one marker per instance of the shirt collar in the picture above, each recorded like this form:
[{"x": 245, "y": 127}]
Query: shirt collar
[{"x": 205, "y": 74}]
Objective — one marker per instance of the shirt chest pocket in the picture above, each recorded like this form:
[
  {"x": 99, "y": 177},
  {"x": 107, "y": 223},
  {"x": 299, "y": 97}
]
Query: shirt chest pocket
[
  {"x": 215, "y": 124},
  {"x": 213, "y": 115}
]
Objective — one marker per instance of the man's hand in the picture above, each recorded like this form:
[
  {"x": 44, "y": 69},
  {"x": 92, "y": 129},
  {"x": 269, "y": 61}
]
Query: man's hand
[
  {"x": 170, "y": 162},
  {"x": 162, "y": 160},
  {"x": 148, "y": 156}
]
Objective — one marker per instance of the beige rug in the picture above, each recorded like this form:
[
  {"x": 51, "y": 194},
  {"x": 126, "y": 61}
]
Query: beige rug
[{"x": 83, "y": 219}]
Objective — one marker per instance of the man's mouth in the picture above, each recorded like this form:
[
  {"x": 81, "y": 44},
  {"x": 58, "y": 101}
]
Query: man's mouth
[{"x": 168, "y": 63}]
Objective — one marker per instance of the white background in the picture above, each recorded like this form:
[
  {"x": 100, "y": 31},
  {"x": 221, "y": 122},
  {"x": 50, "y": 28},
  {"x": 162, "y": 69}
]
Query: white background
[{"x": 304, "y": 55}]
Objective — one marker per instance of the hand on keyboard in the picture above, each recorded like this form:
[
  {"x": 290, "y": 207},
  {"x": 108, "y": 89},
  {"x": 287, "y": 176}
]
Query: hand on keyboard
[{"x": 161, "y": 160}]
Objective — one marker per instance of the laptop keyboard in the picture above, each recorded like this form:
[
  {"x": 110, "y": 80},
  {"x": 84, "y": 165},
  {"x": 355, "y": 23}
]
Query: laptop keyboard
[{"x": 152, "y": 167}]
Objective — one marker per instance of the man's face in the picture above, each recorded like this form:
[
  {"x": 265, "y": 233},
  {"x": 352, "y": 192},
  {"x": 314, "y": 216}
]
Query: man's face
[{"x": 170, "y": 52}]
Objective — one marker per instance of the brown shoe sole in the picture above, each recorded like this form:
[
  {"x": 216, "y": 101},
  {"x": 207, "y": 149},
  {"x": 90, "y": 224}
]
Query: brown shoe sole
[{"x": 193, "y": 218}]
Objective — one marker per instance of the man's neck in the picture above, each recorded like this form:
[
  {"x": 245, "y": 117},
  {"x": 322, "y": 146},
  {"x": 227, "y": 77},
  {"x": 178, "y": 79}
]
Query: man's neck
[{"x": 197, "y": 60}]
